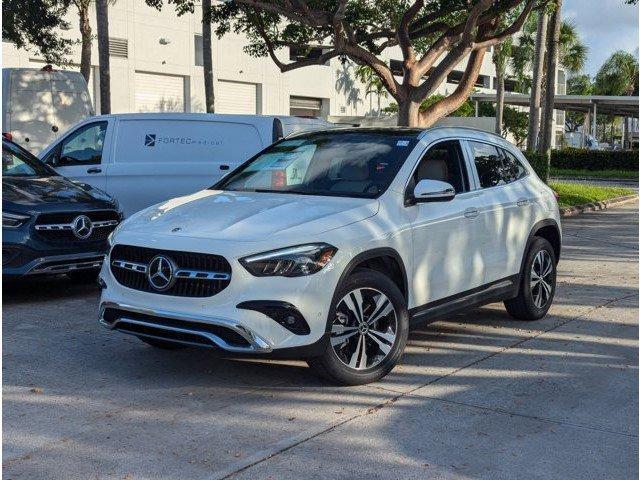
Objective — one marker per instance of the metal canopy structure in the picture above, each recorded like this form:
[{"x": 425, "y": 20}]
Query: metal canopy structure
[{"x": 602, "y": 104}]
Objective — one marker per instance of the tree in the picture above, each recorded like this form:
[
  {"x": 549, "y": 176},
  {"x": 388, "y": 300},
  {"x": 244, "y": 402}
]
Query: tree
[
  {"x": 577, "y": 85},
  {"x": 37, "y": 23},
  {"x": 373, "y": 85},
  {"x": 464, "y": 110},
  {"x": 188, "y": 6},
  {"x": 85, "y": 34},
  {"x": 618, "y": 76},
  {"x": 536, "y": 86},
  {"x": 102, "y": 17},
  {"x": 433, "y": 37},
  {"x": 553, "y": 47}
]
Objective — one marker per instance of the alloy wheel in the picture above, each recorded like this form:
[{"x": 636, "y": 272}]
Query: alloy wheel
[
  {"x": 541, "y": 278},
  {"x": 364, "y": 329}
]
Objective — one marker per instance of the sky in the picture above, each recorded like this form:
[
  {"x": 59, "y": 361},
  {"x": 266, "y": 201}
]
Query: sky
[{"x": 605, "y": 26}]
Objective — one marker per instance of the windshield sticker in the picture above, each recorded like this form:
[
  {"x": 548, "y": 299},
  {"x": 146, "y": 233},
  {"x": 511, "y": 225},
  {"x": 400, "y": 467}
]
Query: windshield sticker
[{"x": 402, "y": 143}]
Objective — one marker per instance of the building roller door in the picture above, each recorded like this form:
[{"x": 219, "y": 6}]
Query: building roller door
[
  {"x": 159, "y": 93},
  {"x": 236, "y": 97}
]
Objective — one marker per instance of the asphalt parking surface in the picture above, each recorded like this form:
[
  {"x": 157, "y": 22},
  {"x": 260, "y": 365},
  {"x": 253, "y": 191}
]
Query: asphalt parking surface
[{"x": 477, "y": 396}]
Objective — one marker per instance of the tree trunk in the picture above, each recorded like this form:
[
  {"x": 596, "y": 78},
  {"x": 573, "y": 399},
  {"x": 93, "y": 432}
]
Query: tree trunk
[
  {"x": 102, "y": 17},
  {"x": 85, "y": 32},
  {"x": 538, "y": 64},
  {"x": 408, "y": 114},
  {"x": 379, "y": 109},
  {"x": 499, "y": 100},
  {"x": 209, "y": 96},
  {"x": 552, "y": 67}
]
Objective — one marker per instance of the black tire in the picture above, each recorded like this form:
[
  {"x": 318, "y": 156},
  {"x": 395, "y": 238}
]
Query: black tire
[
  {"x": 84, "y": 276},
  {"x": 523, "y": 307},
  {"x": 330, "y": 366},
  {"x": 163, "y": 344}
]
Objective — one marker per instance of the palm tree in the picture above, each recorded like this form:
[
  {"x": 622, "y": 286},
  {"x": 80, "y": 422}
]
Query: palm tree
[
  {"x": 572, "y": 54},
  {"x": 373, "y": 85},
  {"x": 102, "y": 17},
  {"x": 501, "y": 54},
  {"x": 618, "y": 76},
  {"x": 208, "y": 58},
  {"x": 536, "y": 85},
  {"x": 85, "y": 34},
  {"x": 553, "y": 51}
]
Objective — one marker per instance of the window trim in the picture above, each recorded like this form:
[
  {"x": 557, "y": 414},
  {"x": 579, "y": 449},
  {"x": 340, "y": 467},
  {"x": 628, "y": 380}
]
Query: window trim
[
  {"x": 58, "y": 148},
  {"x": 479, "y": 187}
]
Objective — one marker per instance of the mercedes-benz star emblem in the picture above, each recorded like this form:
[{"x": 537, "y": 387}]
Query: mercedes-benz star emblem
[
  {"x": 160, "y": 272},
  {"x": 82, "y": 227}
]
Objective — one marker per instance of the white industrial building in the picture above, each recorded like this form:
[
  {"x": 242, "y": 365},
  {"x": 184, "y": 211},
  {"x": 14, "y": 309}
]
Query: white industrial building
[{"x": 156, "y": 65}]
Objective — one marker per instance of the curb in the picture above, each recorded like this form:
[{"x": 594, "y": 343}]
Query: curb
[
  {"x": 594, "y": 179},
  {"x": 594, "y": 206}
]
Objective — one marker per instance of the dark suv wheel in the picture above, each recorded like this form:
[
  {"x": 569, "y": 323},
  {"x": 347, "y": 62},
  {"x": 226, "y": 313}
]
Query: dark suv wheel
[
  {"x": 369, "y": 324},
  {"x": 538, "y": 283}
]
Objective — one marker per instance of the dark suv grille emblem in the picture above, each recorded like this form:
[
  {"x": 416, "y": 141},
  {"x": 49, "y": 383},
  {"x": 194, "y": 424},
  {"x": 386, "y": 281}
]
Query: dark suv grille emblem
[{"x": 82, "y": 227}]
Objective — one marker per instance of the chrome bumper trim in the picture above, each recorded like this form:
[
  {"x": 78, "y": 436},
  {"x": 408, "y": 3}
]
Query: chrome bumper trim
[
  {"x": 256, "y": 343},
  {"x": 65, "y": 263}
]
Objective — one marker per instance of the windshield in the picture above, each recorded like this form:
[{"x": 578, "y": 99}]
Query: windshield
[
  {"x": 20, "y": 163},
  {"x": 338, "y": 163}
]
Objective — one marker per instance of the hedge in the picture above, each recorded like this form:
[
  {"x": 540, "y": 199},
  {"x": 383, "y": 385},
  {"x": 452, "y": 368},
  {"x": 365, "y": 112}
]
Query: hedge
[
  {"x": 579, "y": 158},
  {"x": 540, "y": 164}
]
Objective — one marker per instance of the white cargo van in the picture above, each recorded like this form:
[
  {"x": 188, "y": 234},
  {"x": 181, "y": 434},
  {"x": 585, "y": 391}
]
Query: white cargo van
[
  {"x": 145, "y": 158},
  {"x": 38, "y": 105}
]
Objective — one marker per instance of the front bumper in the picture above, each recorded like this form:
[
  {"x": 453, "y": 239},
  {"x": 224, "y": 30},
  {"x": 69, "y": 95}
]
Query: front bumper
[
  {"x": 56, "y": 264},
  {"x": 189, "y": 329},
  {"x": 194, "y": 320}
]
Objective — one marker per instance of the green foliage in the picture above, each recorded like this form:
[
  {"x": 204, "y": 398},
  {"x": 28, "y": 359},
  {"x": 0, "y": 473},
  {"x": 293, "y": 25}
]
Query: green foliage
[
  {"x": 514, "y": 121},
  {"x": 540, "y": 164},
  {"x": 618, "y": 75},
  {"x": 37, "y": 23},
  {"x": 577, "y": 85},
  {"x": 582, "y": 173},
  {"x": 578, "y": 158},
  {"x": 465, "y": 110}
]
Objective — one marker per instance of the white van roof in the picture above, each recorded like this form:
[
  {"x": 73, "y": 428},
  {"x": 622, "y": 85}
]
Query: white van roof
[{"x": 214, "y": 117}]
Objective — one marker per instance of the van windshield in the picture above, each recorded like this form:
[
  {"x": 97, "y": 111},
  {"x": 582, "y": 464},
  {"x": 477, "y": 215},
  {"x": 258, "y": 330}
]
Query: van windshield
[
  {"x": 20, "y": 163},
  {"x": 336, "y": 163}
]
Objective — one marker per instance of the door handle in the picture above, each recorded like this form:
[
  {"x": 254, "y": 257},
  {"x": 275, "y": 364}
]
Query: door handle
[
  {"x": 522, "y": 202},
  {"x": 471, "y": 212},
  {"x": 94, "y": 170}
]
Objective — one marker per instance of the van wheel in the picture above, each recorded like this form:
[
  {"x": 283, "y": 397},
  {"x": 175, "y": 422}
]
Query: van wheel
[
  {"x": 369, "y": 325},
  {"x": 537, "y": 285},
  {"x": 162, "y": 344}
]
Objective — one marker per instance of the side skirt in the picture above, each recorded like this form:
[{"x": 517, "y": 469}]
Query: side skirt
[{"x": 499, "y": 290}]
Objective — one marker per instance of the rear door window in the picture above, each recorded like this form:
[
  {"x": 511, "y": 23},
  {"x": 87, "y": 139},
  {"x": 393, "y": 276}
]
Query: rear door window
[
  {"x": 512, "y": 167},
  {"x": 489, "y": 165}
]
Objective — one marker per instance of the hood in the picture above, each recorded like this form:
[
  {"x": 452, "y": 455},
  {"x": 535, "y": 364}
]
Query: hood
[
  {"x": 249, "y": 216},
  {"x": 36, "y": 191}
]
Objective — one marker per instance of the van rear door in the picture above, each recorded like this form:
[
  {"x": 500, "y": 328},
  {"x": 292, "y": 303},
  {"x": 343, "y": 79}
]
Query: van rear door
[
  {"x": 158, "y": 159},
  {"x": 30, "y": 112},
  {"x": 71, "y": 101}
]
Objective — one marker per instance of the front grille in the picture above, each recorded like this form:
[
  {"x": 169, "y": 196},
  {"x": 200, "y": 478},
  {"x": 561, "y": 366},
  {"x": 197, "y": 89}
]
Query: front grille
[
  {"x": 229, "y": 336},
  {"x": 182, "y": 287},
  {"x": 58, "y": 227}
]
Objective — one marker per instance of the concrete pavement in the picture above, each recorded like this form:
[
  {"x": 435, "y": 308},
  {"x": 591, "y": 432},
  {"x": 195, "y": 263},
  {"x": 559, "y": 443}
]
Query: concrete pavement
[{"x": 476, "y": 396}]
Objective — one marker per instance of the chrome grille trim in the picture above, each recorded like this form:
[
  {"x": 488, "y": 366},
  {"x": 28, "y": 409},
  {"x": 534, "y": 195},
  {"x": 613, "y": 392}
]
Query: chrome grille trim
[
  {"x": 181, "y": 273},
  {"x": 69, "y": 226}
]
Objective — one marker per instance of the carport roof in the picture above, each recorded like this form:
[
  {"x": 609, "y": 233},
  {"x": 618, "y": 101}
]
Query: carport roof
[{"x": 606, "y": 105}]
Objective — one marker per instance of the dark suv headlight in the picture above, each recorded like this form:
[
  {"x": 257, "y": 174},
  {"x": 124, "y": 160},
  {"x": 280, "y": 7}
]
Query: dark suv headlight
[
  {"x": 295, "y": 261},
  {"x": 13, "y": 220}
]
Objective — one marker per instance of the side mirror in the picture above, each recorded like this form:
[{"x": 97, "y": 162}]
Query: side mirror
[{"x": 433, "y": 191}]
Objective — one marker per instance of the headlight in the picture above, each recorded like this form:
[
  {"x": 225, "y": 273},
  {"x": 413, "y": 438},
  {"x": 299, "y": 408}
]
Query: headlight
[
  {"x": 13, "y": 220},
  {"x": 290, "y": 262}
]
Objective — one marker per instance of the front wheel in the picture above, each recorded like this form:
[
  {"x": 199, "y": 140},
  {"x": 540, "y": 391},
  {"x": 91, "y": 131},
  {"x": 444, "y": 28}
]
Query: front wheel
[
  {"x": 369, "y": 325},
  {"x": 538, "y": 283}
]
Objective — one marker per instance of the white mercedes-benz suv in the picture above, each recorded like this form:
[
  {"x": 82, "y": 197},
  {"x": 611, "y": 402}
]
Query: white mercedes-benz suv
[{"x": 327, "y": 246}]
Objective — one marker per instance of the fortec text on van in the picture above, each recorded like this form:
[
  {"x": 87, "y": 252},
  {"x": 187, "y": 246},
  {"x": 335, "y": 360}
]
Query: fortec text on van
[{"x": 151, "y": 140}]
